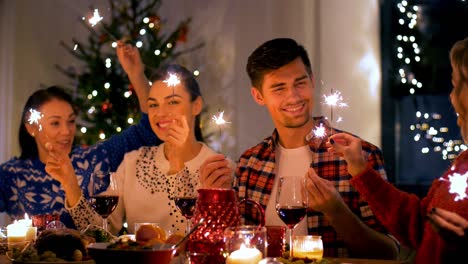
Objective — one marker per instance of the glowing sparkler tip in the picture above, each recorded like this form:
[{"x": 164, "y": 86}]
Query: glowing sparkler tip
[
  {"x": 219, "y": 120},
  {"x": 458, "y": 185},
  {"x": 335, "y": 99},
  {"x": 172, "y": 80},
  {"x": 320, "y": 131},
  {"x": 96, "y": 18},
  {"x": 34, "y": 117}
]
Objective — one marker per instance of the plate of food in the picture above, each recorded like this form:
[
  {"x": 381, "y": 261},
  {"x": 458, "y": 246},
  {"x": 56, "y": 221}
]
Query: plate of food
[
  {"x": 54, "y": 246},
  {"x": 148, "y": 245}
]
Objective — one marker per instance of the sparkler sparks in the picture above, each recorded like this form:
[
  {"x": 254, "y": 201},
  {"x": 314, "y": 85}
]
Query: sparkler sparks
[
  {"x": 219, "y": 120},
  {"x": 172, "y": 80},
  {"x": 458, "y": 185},
  {"x": 35, "y": 118},
  {"x": 96, "y": 18},
  {"x": 320, "y": 131},
  {"x": 335, "y": 99}
]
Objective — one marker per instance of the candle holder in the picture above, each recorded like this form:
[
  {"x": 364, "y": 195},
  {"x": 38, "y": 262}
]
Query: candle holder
[
  {"x": 3, "y": 240},
  {"x": 308, "y": 248},
  {"x": 245, "y": 244}
]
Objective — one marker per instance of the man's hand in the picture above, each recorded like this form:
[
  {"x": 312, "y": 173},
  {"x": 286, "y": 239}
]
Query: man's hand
[
  {"x": 216, "y": 172},
  {"x": 323, "y": 196}
]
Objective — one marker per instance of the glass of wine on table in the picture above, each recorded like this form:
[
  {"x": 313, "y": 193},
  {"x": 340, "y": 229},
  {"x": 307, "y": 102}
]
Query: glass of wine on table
[
  {"x": 291, "y": 203},
  {"x": 102, "y": 200},
  {"x": 185, "y": 196}
]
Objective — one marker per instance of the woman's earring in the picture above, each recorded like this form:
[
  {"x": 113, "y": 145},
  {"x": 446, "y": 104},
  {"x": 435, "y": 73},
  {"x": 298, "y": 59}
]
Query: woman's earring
[{"x": 33, "y": 135}]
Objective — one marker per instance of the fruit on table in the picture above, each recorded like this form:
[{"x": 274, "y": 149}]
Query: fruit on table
[{"x": 149, "y": 233}]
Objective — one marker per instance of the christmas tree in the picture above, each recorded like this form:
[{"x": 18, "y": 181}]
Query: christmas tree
[{"x": 106, "y": 99}]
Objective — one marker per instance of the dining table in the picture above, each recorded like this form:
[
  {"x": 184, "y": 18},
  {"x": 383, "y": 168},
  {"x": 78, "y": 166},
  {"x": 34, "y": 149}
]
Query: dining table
[{"x": 4, "y": 260}]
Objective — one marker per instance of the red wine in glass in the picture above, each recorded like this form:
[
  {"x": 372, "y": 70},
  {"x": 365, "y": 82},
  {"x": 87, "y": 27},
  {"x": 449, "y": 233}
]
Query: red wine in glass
[
  {"x": 186, "y": 206},
  {"x": 104, "y": 205},
  {"x": 291, "y": 215},
  {"x": 291, "y": 204}
]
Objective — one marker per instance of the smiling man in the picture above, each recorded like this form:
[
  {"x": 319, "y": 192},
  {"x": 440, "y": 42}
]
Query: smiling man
[{"x": 283, "y": 82}]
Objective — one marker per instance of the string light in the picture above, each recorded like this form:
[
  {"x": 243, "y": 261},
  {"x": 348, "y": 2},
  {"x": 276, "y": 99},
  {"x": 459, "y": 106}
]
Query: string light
[{"x": 409, "y": 52}]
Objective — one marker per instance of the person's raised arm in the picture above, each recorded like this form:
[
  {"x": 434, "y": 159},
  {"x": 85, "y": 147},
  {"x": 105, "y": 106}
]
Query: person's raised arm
[{"x": 129, "y": 58}]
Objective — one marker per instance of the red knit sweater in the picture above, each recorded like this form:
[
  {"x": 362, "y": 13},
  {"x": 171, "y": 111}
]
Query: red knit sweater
[{"x": 404, "y": 214}]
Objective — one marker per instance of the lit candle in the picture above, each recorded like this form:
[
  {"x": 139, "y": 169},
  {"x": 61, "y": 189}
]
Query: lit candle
[
  {"x": 308, "y": 247},
  {"x": 31, "y": 231},
  {"x": 16, "y": 234},
  {"x": 245, "y": 255}
]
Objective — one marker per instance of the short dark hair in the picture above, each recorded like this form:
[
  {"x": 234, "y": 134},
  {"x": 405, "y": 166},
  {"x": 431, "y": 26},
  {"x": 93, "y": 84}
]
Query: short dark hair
[
  {"x": 272, "y": 55},
  {"x": 190, "y": 83},
  {"x": 27, "y": 143}
]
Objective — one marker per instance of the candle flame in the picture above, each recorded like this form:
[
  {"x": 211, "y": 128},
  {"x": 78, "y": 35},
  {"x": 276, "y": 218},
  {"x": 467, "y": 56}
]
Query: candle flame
[
  {"x": 35, "y": 117},
  {"x": 96, "y": 18},
  {"x": 172, "y": 80}
]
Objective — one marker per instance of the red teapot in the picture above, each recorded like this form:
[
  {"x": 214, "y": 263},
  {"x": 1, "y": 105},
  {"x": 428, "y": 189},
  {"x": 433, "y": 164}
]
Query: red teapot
[{"x": 219, "y": 209}]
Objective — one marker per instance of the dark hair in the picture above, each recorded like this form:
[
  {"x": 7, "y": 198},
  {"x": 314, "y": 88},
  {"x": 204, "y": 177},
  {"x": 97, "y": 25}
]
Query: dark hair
[
  {"x": 459, "y": 58},
  {"x": 190, "y": 84},
  {"x": 27, "y": 143},
  {"x": 272, "y": 55}
]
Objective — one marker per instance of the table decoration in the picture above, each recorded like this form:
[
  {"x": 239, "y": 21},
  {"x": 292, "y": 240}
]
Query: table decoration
[{"x": 245, "y": 244}]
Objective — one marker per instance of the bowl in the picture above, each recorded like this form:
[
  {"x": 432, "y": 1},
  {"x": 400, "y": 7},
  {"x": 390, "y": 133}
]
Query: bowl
[{"x": 161, "y": 254}]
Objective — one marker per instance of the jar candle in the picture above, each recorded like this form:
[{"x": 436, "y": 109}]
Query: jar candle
[
  {"x": 308, "y": 247},
  {"x": 245, "y": 255},
  {"x": 31, "y": 232},
  {"x": 16, "y": 234}
]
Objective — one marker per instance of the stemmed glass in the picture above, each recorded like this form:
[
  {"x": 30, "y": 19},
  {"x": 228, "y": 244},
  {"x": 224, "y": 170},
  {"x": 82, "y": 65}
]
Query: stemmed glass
[
  {"x": 291, "y": 204},
  {"x": 104, "y": 202},
  {"x": 185, "y": 196}
]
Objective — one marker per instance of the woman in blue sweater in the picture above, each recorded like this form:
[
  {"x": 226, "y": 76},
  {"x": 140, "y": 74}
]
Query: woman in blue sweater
[{"x": 26, "y": 187}]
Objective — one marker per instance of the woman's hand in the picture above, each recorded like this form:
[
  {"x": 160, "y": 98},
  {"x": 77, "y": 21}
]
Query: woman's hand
[
  {"x": 216, "y": 172},
  {"x": 59, "y": 167},
  {"x": 350, "y": 148},
  {"x": 176, "y": 141},
  {"x": 129, "y": 58},
  {"x": 452, "y": 227}
]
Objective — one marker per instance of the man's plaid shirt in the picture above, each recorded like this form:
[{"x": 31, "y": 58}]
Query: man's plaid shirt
[{"x": 255, "y": 176}]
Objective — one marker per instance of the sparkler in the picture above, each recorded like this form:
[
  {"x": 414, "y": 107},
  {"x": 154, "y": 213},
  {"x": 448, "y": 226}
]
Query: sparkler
[
  {"x": 320, "y": 131},
  {"x": 334, "y": 99},
  {"x": 172, "y": 80},
  {"x": 35, "y": 118},
  {"x": 458, "y": 185},
  {"x": 95, "y": 19},
  {"x": 220, "y": 122}
]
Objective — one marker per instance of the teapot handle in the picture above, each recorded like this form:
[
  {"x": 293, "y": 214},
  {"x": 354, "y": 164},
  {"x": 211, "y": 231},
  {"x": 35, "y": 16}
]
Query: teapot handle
[{"x": 259, "y": 207}]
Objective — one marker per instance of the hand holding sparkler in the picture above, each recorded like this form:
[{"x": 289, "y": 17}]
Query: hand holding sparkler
[
  {"x": 130, "y": 59},
  {"x": 60, "y": 167},
  {"x": 350, "y": 148},
  {"x": 176, "y": 138},
  {"x": 216, "y": 172},
  {"x": 220, "y": 122}
]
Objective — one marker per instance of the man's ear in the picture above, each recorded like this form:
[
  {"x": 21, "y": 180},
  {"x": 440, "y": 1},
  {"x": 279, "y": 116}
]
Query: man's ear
[
  {"x": 257, "y": 96},
  {"x": 197, "y": 106}
]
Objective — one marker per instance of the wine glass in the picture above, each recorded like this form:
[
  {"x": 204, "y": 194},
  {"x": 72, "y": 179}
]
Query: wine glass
[
  {"x": 104, "y": 202},
  {"x": 185, "y": 196},
  {"x": 291, "y": 203}
]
